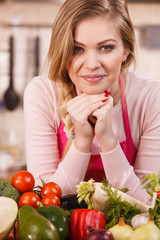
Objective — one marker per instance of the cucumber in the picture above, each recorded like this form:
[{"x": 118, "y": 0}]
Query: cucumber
[{"x": 33, "y": 226}]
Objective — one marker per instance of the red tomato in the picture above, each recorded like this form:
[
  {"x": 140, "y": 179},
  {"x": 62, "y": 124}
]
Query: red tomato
[
  {"x": 23, "y": 181},
  {"x": 29, "y": 198},
  {"x": 50, "y": 199},
  {"x": 51, "y": 187}
]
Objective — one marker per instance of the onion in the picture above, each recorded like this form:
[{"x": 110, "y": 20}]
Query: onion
[
  {"x": 100, "y": 234},
  {"x": 121, "y": 231},
  {"x": 148, "y": 231},
  {"x": 140, "y": 219}
]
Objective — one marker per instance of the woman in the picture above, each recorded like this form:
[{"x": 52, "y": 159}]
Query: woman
[{"x": 91, "y": 116}]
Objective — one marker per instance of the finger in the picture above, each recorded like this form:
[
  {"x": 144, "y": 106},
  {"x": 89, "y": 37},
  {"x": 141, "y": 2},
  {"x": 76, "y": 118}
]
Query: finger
[
  {"x": 84, "y": 97},
  {"x": 84, "y": 100},
  {"x": 103, "y": 110},
  {"x": 84, "y": 111}
]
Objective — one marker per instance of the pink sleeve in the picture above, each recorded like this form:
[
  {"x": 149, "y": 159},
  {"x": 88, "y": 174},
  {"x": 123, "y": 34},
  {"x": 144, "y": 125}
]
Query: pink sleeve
[
  {"x": 118, "y": 171},
  {"x": 42, "y": 152},
  {"x": 121, "y": 174}
]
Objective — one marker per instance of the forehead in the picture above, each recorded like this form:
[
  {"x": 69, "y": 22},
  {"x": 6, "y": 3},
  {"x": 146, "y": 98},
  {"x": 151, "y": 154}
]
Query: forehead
[{"x": 96, "y": 28}]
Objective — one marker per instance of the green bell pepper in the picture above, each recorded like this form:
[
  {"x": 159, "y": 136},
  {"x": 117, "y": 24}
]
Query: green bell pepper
[{"x": 57, "y": 216}]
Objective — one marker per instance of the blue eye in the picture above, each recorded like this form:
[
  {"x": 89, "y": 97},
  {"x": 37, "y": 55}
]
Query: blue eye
[{"x": 77, "y": 49}]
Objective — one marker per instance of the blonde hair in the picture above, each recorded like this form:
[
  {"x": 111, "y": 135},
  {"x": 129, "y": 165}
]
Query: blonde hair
[{"x": 62, "y": 41}]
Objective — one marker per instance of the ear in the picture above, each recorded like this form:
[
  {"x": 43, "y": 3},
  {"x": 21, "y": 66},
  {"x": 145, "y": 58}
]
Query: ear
[{"x": 125, "y": 53}]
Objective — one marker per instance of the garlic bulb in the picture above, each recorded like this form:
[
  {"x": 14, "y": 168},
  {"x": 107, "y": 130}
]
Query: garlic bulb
[
  {"x": 140, "y": 219},
  {"x": 121, "y": 231},
  {"x": 148, "y": 231}
]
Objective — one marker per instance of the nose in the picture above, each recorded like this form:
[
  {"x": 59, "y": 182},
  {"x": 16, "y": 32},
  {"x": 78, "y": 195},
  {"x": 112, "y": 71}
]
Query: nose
[{"x": 92, "y": 60}]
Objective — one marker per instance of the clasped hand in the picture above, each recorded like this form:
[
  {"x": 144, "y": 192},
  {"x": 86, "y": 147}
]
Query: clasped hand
[{"x": 91, "y": 116}]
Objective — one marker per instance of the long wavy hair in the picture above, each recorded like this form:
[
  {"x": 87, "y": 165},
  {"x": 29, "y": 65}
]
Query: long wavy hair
[{"x": 62, "y": 41}]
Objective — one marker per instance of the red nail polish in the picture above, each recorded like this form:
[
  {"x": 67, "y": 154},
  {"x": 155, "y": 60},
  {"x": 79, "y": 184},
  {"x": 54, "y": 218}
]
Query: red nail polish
[
  {"x": 104, "y": 100},
  {"x": 107, "y": 93}
]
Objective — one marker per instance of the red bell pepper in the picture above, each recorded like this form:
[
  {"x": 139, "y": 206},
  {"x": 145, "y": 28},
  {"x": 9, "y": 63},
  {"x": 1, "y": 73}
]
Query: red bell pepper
[
  {"x": 81, "y": 219},
  {"x": 158, "y": 194}
]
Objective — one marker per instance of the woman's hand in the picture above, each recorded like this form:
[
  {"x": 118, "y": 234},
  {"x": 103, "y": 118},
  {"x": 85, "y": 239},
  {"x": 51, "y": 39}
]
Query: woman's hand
[
  {"x": 80, "y": 108},
  {"x": 103, "y": 126}
]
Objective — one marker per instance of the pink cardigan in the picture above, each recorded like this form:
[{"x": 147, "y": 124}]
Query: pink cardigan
[{"x": 42, "y": 152}]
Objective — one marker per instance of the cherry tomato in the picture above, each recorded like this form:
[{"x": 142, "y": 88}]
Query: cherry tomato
[
  {"x": 51, "y": 187},
  {"x": 23, "y": 181},
  {"x": 50, "y": 199},
  {"x": 29, "y": 198}
]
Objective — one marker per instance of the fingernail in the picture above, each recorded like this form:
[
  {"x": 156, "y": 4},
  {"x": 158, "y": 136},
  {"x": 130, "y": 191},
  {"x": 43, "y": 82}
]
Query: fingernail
[
  {"x": 107, "y": 93},
  {"x": 104, "y": 100}
]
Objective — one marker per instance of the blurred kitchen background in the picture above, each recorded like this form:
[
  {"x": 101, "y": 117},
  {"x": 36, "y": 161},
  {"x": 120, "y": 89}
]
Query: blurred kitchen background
[{"x": 25, "y": 30}]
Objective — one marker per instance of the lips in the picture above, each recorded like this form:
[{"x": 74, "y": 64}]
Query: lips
[{"x": 93, "y": 78}]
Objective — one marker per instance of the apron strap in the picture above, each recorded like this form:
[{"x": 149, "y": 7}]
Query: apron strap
[
  {"x": 125, "y": 112},
  {"x": 131, "y": 149}
]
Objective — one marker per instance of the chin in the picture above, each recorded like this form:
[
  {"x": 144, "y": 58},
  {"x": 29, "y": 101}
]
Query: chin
[{"x": 94, "y": 91}]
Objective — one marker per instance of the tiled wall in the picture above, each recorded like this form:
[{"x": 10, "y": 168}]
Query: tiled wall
[{"x": 30, "y": 16}]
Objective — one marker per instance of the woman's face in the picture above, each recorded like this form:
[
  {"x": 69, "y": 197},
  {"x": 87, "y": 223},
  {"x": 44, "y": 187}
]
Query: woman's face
[{"x": 98, "y": 54}]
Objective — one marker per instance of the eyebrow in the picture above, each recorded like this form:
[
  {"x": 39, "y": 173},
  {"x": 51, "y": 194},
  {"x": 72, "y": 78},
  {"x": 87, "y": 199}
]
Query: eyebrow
[
  {"x": 108, "y": 40},
  {"x": 100, "y": 43}
]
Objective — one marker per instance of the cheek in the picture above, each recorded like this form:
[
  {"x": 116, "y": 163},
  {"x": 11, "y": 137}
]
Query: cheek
[
  {"x": 75, "y": 65},
  {"x": 70, "y": 71},
  {"x": 114, "y": 62}
]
